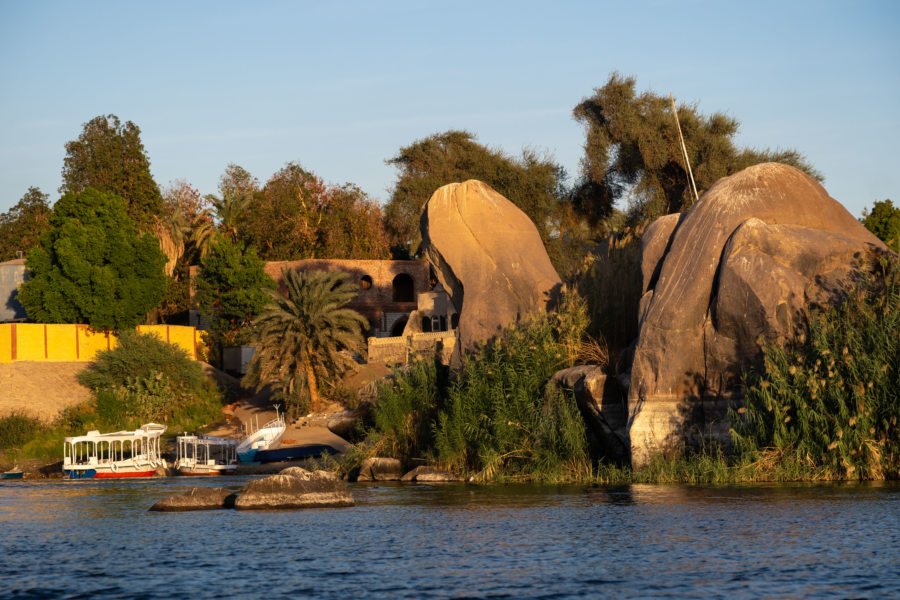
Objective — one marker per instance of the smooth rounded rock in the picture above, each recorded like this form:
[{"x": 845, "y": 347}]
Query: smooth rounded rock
[
  {"x": 488, "y": 256},
  {"x": 742, "y": 265},
  {"x": 295, "y": 487}
]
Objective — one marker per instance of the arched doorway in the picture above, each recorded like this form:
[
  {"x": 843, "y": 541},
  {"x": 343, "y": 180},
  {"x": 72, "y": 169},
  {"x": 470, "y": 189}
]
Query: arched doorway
[
  {"x": 403, "y": 288},
  {"x": 398, "y": 327}
]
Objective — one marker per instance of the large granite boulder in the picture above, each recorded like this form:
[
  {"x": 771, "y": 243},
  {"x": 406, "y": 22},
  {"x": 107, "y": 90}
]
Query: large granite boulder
[
  {"x": 488, "y": 256},
  {"x": 742, "y": 264},
  {"x": 198, "y": 498},
  {"x": 295, "y": 488}
]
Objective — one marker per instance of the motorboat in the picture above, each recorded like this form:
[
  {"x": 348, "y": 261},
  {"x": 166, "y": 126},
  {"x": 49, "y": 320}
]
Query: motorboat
[
  {"x": 285, "y": 453},
  {"x": 262, "y": 438},
  {"x": 14, "y": 473},
  {"x": 114, "y": 455},
  {"x": 205, "y": 455}
]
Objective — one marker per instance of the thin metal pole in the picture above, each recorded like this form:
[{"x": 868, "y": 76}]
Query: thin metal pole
[{"x": 684, "y": 153}]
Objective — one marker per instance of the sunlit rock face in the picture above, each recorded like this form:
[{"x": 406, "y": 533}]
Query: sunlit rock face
[
  {"x": 742, "y": 265},
  {"x": 488, "y": 256}
]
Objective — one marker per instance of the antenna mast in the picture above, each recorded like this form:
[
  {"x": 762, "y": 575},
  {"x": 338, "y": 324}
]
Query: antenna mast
[{"x": 684, "y": 153}]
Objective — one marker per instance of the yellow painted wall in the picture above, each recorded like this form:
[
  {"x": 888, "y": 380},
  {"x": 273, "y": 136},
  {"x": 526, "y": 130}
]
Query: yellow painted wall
[
  {"x": 5, "y": 344},
  {"x": 61, "y": 343},
  {"x": 90, "y": 342},
  {"x": 57, "y": 342},
  {"x": 30, "y": 341}
]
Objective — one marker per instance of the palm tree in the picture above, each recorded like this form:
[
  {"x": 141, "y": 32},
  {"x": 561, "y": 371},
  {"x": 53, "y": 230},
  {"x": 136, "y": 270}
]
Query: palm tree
[
  {"x": 229, "y": 210},
  {"x": 306, "y": 334}
]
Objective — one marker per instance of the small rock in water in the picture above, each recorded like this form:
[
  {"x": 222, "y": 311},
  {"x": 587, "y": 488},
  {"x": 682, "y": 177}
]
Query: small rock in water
[
  {"x": 198, "y": 498},
  {"x": 295, "y": 487},
  {"x": 426, "y": 474}
]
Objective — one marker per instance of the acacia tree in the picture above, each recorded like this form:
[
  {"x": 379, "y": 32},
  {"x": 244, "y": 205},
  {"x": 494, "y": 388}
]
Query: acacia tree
[
  {"x": 632, "y": 148},
  {"x": 533, "y": 183},
  {"x": 21, "y": 226},
  {"x": 305, "y": 335},
  {"x": 92, "y": 266},
  {"x": 110, "y": 157}
]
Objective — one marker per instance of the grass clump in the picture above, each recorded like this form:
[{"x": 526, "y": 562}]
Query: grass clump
[
  {"x": 827, "y": 404},
  {"x": 17, "y": 429}
]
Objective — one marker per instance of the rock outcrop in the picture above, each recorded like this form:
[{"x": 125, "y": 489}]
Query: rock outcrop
[
  {"x": 198, "y": 498},
  {"x": 295, "y": 488},
  {"x": 743, "y": 263},
  {"x": 488, "y": 256}
]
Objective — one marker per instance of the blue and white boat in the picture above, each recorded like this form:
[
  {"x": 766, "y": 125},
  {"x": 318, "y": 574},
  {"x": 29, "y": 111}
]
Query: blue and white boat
[
  {"x": 14, "y": 473},
  {"x": 263, "y": 438}
]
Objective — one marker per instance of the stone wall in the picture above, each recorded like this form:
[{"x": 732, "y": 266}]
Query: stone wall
[{"x": 393, "y": 350}]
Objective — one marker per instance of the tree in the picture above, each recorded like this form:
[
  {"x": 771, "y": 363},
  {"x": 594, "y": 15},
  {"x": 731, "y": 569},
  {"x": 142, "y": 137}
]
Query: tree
[
  {"x": 231, "y": 289},
  {"x": 306, "y": 335},
  {"x": 236, "y": 188},
  {"x": 21, "y": 226},
  {"x": 110, "y": 157},
  {"x": 92, "y": 266},
  {"x": 296, "y": 216},
  {"x": 533, "y": 183},
  {"x": 632, "y": 150},
  {"x": 884, "y": 222}
]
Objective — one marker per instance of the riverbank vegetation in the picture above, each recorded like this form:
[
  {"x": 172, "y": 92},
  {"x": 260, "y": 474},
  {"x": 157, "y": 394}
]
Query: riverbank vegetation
[{"x": 824, "y": 407}]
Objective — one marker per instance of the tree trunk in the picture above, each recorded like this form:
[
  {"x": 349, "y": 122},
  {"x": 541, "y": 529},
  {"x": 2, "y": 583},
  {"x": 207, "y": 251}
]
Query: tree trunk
[{"x": 313, "y": 387}]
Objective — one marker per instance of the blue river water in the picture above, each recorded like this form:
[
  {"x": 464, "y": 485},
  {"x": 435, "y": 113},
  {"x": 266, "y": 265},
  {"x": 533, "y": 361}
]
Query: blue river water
[{"x": 83, "y": 539}]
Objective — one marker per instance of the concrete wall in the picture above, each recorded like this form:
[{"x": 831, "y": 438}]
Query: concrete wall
[
  {"x": 12, "y": 273},
  {"x": 77, "y": 343}
]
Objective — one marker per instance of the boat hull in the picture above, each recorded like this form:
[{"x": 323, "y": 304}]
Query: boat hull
[
  {"x": 106, "y": 472},
  {"x": 208, "y": 471},
  {"x": 11, "y": 475},
  {"x": 293, "y": 453}
]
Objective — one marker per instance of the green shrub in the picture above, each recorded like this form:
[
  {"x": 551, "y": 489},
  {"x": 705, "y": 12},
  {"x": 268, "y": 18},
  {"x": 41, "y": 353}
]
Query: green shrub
[
  {"x": 829, "y": 401},
  {"x": 16, "y": 429},
  {"x": 145, "y": 379},
  {"x": 142, "y": 357}
]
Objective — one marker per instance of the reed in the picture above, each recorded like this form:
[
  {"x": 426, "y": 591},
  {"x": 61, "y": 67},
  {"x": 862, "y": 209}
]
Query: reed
[{"x": 828, "y": 402}]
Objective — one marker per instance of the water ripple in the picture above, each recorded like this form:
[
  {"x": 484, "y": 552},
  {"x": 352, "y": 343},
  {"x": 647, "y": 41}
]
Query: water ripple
[{"x": 97, "y": 540}]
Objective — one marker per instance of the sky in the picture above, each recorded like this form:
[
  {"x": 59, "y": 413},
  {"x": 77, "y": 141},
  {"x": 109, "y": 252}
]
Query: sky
[{"x": 340, "y": 87}]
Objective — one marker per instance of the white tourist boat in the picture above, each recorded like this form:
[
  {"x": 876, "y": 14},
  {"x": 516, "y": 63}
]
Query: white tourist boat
[
  {"x": 205, "y": 455},
  {"x": 114, "y": 455},
  {"x": 266, "y": 437}
]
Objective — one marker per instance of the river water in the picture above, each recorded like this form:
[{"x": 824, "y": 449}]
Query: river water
[{"x": 83, "y": 539}]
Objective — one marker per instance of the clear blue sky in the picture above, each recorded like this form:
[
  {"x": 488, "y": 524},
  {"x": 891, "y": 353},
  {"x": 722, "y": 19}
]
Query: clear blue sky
[{"x": 341, "y": 86}]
